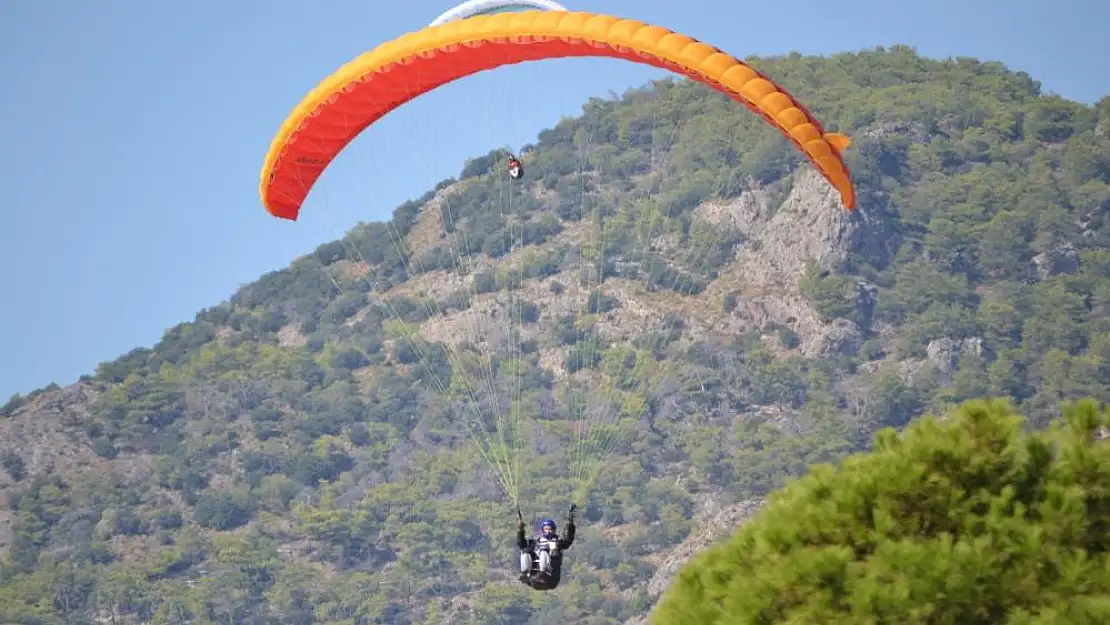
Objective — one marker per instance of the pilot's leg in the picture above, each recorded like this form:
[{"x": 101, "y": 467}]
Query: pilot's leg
[{"x": 525, "y": 564}]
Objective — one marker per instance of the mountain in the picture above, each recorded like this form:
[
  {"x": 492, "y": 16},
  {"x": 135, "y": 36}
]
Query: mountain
[{"x": 670, "y": 309}]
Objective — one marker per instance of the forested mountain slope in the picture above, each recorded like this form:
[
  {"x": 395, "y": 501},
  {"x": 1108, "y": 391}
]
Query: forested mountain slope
[{"x": 668, "y": 272}]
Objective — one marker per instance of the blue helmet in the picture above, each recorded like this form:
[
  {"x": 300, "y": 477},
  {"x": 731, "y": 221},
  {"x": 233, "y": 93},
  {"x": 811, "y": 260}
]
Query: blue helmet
[{"x": 547, "y": 522}]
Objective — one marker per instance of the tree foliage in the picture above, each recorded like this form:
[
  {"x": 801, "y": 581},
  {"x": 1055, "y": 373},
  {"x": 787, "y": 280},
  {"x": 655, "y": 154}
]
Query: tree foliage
[{"x": 962, "y": 520}]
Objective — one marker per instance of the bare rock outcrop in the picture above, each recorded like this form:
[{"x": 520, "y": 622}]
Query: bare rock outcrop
[
  {"x": 809, "y": 225},
  {"x": 714, "y": 522},
  {"x": 46, "y": 432},
  {"x": 784, "y": 229},
  {"x": 1060, "y": 260},
  {"x": 945, "y": 353},
  {"x": 46, "y": 435}
]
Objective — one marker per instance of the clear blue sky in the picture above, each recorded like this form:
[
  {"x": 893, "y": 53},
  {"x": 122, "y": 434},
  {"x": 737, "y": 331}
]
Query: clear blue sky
[{"x": 134, "y": 131}]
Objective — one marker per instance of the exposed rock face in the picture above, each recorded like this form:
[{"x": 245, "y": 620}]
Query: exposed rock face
[
  {"x": 808, "y": 225},
  {"x": 289, "y": 336},
  {"x": 54, "y": 417},
  {"x": 46, "y": 435},
  {"x": 427, "y": 228},
  {"x": 714, "y": 522},
  {"x": 1064, "y": 259},
  {"x": 915, "y": 132},
  {"x": 945, "y": 353},
  {"x": 783, "y": 233}
]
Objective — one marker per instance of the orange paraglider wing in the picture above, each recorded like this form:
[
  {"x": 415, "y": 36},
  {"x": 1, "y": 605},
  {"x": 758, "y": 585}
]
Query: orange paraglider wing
[{"x": 375, "y": 83}]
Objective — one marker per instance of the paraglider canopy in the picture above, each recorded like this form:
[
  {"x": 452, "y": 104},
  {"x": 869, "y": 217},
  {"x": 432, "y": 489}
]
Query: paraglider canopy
[
  {"x": 375, "y": 83},
  {"x": 485, "y": 7}
]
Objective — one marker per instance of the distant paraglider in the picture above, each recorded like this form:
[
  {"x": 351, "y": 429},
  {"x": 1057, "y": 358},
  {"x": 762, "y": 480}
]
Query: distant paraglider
[{"x": 516, "y": 170}]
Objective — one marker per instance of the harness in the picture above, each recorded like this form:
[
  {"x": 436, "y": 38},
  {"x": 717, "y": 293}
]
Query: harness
[{"x": 547, "y": 544}]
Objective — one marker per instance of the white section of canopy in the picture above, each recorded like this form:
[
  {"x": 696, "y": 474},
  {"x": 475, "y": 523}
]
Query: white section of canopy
[{"x": 477, "y": 7}]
